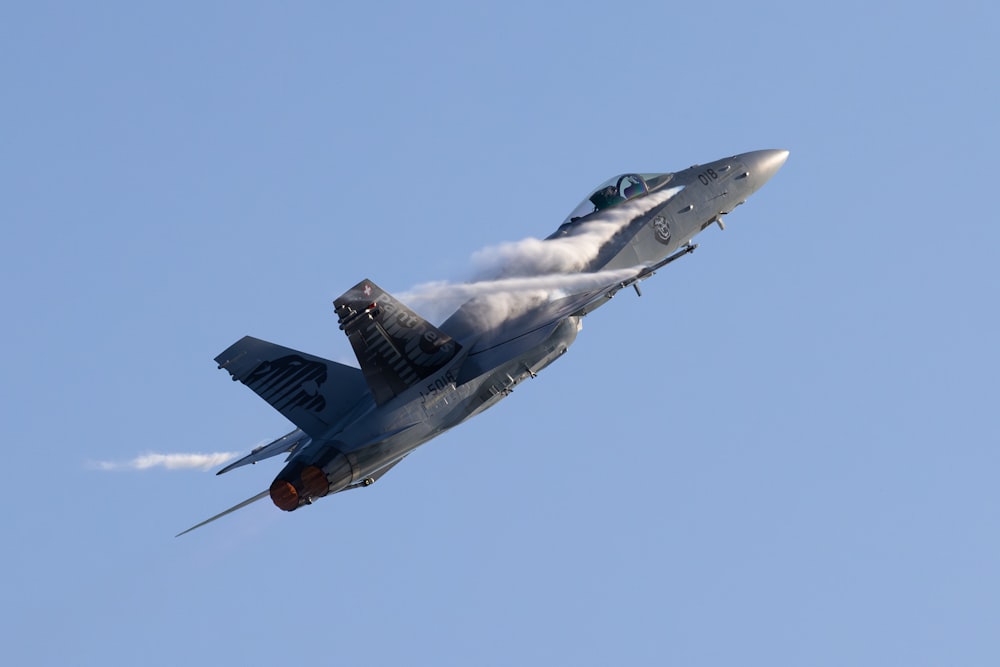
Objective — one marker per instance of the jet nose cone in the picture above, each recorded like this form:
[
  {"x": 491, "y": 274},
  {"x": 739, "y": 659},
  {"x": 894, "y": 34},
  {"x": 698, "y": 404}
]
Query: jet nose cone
[
  {"x": 771, "y": 161},
  {"x": 762, "y": 165}
]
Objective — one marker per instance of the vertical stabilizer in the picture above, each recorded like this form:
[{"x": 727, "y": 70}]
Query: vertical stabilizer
[{"x": 395, "y": 347}]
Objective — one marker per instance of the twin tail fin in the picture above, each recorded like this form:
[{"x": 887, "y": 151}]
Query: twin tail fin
[{"x": 395, "y": 347}]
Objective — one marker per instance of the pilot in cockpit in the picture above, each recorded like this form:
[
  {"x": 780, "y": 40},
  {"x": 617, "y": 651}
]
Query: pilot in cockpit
[
  {"x": 614, "y": 191},
  {"x": 605, "y": 198}
]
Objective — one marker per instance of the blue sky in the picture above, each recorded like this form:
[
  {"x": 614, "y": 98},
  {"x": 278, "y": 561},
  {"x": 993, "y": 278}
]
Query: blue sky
[{"x": 785, "y": 452}]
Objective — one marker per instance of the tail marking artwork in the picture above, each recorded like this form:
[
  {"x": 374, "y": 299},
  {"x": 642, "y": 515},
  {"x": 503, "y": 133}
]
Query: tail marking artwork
[{"x": 289, "y": 382}]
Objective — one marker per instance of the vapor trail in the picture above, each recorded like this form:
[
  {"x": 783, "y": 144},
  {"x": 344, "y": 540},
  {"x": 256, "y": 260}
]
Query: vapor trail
[
  {"x": 510, "y": 278},
  {"x": 567, "y": 254},
  {"x": 169, "y": 461},
  {"x": 505, "y": 296}
]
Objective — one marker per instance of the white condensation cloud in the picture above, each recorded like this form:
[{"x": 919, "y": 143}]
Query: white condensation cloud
[
  {"x": 506, "y": 297},
  {"x": 567, "y": 254},
  {"x": 193, "y": 461},
  {"x": 510, "y": 278}
]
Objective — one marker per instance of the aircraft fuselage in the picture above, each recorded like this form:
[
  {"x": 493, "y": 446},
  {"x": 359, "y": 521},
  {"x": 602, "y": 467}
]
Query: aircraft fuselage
[
  {"x": 417, "y": 380},
  {"x": 360, "y": 447}
]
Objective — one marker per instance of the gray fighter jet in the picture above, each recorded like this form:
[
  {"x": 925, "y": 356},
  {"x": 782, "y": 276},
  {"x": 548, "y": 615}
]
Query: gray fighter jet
[{"x": 418, "y": 380}]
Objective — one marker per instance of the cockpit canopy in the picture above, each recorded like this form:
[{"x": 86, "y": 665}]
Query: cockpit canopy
[{"x": 616, "y": 190}]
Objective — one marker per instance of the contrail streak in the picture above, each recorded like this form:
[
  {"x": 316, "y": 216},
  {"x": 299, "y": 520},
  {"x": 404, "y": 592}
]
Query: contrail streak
[{"x": 169, "y": 461}]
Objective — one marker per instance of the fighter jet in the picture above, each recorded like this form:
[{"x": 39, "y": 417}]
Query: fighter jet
[{"x": 417, "y": 380}]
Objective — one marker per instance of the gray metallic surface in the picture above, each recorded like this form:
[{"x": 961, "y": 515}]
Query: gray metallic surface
[{"x": 417, "y": 381}]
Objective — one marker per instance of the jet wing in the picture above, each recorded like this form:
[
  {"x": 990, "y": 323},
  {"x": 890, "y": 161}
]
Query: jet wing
[
  {"x": 599, "y": 300},
  {"x": 526, "y": 332},
  {"x": 516, "y": 336}
]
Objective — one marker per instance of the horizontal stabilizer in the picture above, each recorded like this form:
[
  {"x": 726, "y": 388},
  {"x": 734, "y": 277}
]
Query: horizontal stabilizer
[
  {"x": 367, "y": 481},
  {"x": 288, "y": 443},
  {"x": 395, "y": 347},
  {"x": 248, "y": 501},
  {"x": 313, "y": 393}
]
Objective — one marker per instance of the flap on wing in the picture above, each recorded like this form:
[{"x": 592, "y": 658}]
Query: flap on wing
[
  {"x": 313, "y": 393},
  {"x": 395, "y": 347}
]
